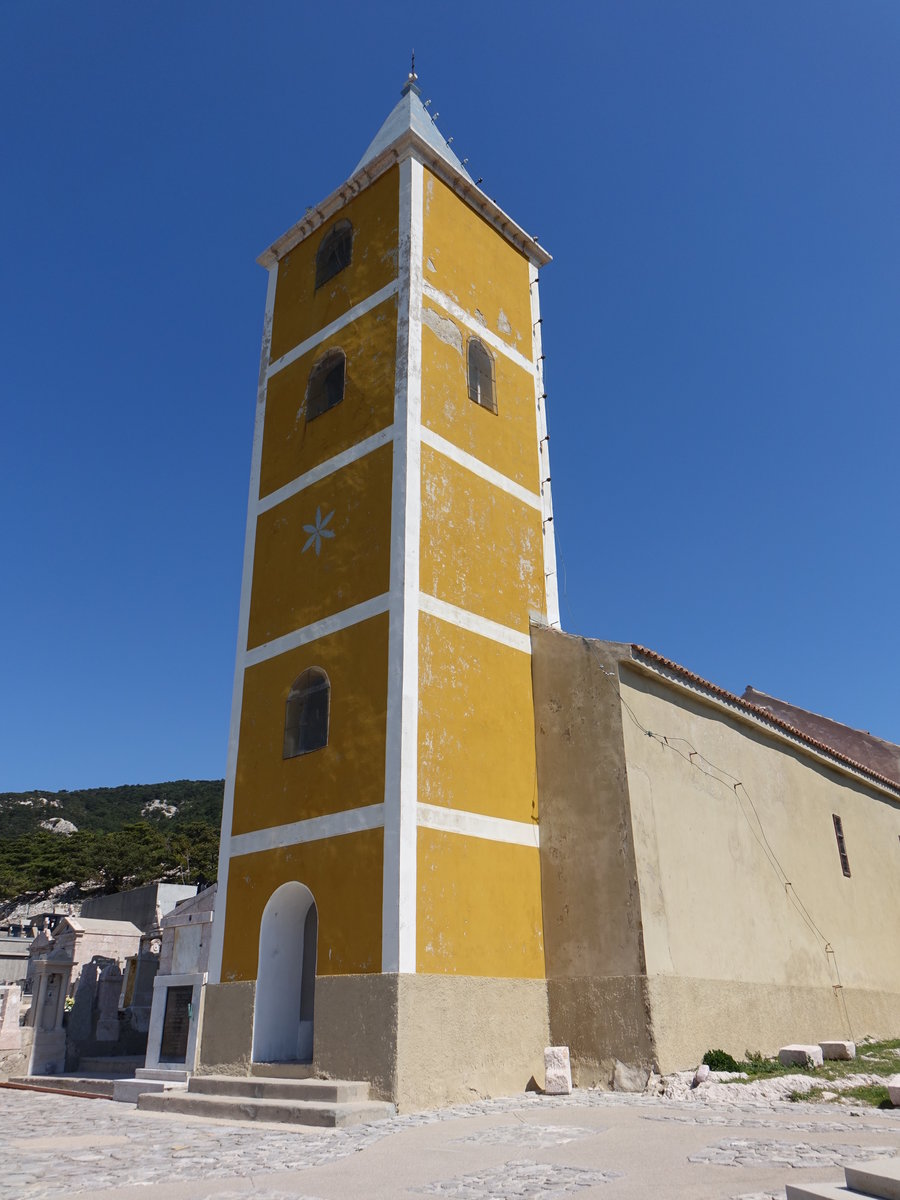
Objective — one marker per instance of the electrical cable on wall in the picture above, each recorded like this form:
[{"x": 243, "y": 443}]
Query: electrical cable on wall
[{"x": 695, "y": 759}]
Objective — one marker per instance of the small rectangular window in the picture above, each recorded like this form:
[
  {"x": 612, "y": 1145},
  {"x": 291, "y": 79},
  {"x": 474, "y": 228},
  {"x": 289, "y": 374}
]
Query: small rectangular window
[{"x": 842, "y": 849}]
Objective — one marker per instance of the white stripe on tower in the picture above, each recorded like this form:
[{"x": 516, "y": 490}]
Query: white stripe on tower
[
  {"x": 237, "y": 695},
  {"x": 398, "y": 951},
  {"x": 551, "y": 585}
]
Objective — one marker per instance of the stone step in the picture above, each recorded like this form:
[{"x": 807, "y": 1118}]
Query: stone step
[
  {"x": 175, "y": 1075},
  {"x": 126, "y": 1091},
  {"x": 86, "y": 1084},
  {"x": 878, "y": 1177},
  {"x": 289, "y": 1112},
  {"x": 283, "y": 1070},
  {"x": 113, "y": 1065},
  {"x": 256, "y": 1087},
  {"x": 819, "y": 1191}
]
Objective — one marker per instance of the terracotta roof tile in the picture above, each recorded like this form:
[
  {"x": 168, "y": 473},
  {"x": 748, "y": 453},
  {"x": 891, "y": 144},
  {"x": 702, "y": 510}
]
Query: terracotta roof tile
[{"x": 763, "y": 714}]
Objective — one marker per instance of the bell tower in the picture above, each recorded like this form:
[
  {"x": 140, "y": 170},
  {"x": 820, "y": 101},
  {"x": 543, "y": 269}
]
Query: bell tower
[{"x": 379, "y": 862}]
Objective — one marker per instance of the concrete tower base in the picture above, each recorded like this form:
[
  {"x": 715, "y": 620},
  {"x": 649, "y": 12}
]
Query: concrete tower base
[{"x": 419, "y": 1040}]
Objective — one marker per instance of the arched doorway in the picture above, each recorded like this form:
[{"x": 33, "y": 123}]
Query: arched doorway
[{"x": 286, "y": 978}]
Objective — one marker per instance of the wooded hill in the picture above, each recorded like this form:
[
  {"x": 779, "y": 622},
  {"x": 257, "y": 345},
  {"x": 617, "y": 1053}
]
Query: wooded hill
[{"x": 125, "y": 836}]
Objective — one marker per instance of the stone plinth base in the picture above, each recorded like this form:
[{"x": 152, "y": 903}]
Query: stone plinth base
[
  {"x": 418, "y": 1040},
  {"x": 48, "y": 1056},
  {"x": 691, "y": 1016}
]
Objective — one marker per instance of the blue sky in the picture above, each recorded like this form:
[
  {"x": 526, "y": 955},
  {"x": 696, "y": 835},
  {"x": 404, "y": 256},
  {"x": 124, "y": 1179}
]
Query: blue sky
[{"x": 719, "y": 184}]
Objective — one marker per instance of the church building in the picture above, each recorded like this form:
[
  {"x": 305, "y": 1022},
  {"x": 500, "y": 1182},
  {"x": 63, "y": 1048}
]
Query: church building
[{"x": 451, "y": 834}]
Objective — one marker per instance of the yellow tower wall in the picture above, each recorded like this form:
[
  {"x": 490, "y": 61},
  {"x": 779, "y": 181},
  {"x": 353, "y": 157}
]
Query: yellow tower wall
[
  {"x": 479, "y": 907},
  {"x": 349, "y": 934},
  {"x": 505, "y": 441},
  {"x": 300, "y": 309},
  {"x": 468, "y": 260},
  {"x": 293, "y": 587},
  {"x": 481, "y": 552},
  {"x": 415, "y": 827},
  {"x": 476, "y": 724},
  {"x": 349, "y": 771},
  {"x": 481, "y": 547},
  {"x": 292, "y": 445}
]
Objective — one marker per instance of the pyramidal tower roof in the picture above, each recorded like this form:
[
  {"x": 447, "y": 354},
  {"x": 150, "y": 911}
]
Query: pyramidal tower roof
[
  {"x": 410, "y": 113},
  {"x": 409, "y": 128}
]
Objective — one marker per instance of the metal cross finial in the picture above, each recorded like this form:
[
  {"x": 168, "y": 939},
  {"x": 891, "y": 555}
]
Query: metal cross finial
[{"x": 410, "y": 85}]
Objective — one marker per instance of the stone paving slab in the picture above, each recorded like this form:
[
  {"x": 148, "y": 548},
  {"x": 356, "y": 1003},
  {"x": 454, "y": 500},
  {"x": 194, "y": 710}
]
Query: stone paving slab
[{"x": 590, "y": 1144}]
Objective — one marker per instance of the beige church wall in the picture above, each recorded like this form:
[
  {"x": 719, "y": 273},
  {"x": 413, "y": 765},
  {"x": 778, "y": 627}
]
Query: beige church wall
[
  {"x": 301, "y": 308},
  {"x": 591, "y": 905},
  {"x": 726, "y": 949}
]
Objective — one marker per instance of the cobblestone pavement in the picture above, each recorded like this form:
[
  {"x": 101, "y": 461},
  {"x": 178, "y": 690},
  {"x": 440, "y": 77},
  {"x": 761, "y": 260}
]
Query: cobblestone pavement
[
  {"x": 744, "y": 1152},
  {"x": 595, "y": 1144},
  {"x": 521, "y": 1178},
  {"x": 525, "y": 1135}
]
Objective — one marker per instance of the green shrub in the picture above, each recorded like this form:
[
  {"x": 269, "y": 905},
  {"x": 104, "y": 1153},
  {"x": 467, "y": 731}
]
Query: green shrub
[
  {"x": 718, "y": 1060},
  {"x": 757, "y": 1065}
]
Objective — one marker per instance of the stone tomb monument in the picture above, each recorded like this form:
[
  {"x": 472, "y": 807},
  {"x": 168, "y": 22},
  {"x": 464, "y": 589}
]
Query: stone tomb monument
[
  {"x": 15, "y": 1041},
  {"x": 178, "y": 989},
  {"x": 51, "y": 985}
]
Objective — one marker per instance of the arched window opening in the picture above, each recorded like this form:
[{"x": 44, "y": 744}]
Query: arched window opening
[
  {"x": 306, "y": 713},
  {"x": 481, "y": 376},
  {"x": 334, "y": 252},
  {"x": 326, "y": 384}
]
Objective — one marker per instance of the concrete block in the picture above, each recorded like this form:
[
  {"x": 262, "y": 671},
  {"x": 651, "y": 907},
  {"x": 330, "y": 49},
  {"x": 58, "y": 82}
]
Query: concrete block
[
  {"x": 800, "y": 1056},
  {"x": 842, "y": 1050},
  {"x": 893, "y": 1087},
  {"x": 127, "y": 1090},
  {"x": 629, "y": 1079},
  {"x": 878, "y": 1177},
  {"x": 557, "y": 1071}
]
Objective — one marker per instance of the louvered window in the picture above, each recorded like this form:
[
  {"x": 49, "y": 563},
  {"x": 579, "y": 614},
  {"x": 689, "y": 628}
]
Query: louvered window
[
  {"x": 481, "y": 376},
  {"x": 334, "y": 252},
  {"x": 307, "y": 713},
  {"x": 842, "y": 848},
  {"x": 326, "y": 384}
]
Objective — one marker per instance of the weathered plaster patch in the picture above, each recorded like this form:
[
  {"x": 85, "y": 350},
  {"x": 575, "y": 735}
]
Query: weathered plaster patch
[
  {"x": 443, "y": 327},
  {"x": 429, "y": 263},
  {"x": 503, "y": 323},
  {"x": 479, "y": 316}
]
